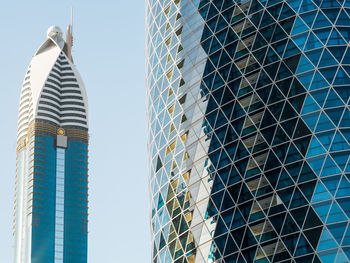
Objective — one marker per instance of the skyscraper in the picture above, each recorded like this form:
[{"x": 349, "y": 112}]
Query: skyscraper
[
  {"x": 51, "y": 200},
  {"x": 248, "y": 130}
]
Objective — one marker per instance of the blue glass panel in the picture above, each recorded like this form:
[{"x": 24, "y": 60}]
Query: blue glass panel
[
  {"x": 324, "y": 123},
  {"x": 344, "y": 188},
  {"x": 315, "y": 148},
  {"x": 326, "y": 241},
  {"x": 337, "y": 231},
  {"x": 322, "y": 209},
  {"x": 318, "y": 82},
  {"x": 316, "y": 163},
  {"x": 328, "y": 256},
  {"x": 335, "y": 214},
  {"x": 335, "y": 39},
  {"x": 321, "y": 194},
  {"x": 299, "y": 27},
  {"x": 345, "y": 205},
  {"x": 346, "y": 240},
  {"x": 329, "y": 168}
]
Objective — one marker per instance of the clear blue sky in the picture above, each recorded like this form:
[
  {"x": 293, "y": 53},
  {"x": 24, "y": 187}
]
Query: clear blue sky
[{"x": 109, "y": 53}]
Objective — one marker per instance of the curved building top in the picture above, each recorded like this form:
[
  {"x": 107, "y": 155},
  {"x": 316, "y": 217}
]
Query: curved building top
[{"x": 53, "y": 90}]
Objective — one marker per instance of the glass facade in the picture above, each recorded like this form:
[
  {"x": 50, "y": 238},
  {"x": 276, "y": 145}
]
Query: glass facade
[
  {"x": 51, "y": 200},
  {"x": 256, "y": 168}
]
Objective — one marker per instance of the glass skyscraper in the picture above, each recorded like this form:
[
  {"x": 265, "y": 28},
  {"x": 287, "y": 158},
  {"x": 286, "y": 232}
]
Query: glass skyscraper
[
  {"x": 248, "y": 130},
  {"x": 51, "y": 200}
]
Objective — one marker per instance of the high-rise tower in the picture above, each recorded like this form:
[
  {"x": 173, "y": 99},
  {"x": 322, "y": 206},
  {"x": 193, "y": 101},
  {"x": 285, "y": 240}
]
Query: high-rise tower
[
  {"x": 51, "y": 200},
  {"x": 248, "y": 130}
]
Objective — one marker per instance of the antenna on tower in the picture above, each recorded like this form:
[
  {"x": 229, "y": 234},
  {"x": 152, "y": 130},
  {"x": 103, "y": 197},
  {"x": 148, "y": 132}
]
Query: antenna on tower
[
  {"x": 69, "y": 37},
  {"x": 71, "y": 19}
]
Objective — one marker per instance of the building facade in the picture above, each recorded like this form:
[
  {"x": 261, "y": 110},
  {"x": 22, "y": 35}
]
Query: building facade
[
  {"x": 248, "y": 130},
  {"x": 51, "y": 198}
]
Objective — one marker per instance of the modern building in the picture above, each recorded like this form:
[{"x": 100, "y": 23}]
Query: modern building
[
  {"x": 51, "y": 199},
  {"x": 248, "y": 130}
]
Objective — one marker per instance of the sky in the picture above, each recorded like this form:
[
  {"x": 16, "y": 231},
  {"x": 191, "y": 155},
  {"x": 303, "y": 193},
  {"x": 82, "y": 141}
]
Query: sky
[{"x": 109, "y": 53}]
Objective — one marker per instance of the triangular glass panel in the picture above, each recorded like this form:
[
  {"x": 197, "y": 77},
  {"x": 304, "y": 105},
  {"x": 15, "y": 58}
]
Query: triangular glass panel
[
  {"x": 331, "y": 13},
  {"x": 335, "y": 39},
  {"x": 292, "y": 63},
  {"x": 321, "y": 21},
  {"x": 311, "y": 120},
  {"x": 296, "y": 87},
  {"x": 343, "y": 92},
  {"x": 318, "y": 82},
  {"x": 337, "y": 52},
  {"x": 346, "y": 59},
  {"x": 286, "y": 195},
  {"x": 312, "y": 42},
  {"x": 284, "y": 72},
  {"x": 343, "y": 19},
  {"x": 329, "y": 73},
  {"x": 312, "y": 220},
  {"x": 308, "y": 189},
  {"x": 322, "y": 209},
  {"x": 341, "y": 158},
  {"x": 315, "y": 148},
  {"x": 327, "y": 59},
  {"x": 305, "y": 79},
  {"x": 345, "y": 31},
  {"x": 341, "y": 257},
  {"x": 289, "y": 126},
  {"x": 300, "y": 40},
  {"x": 316, "y": 163},
  {"x": 288, "y": 112},
  {"x": 309, "y": 17},
  {"x": 314, "y": 56},
  {"x": 326, "y": 241},
  {"x": 329, "y": 255},
  {"x": 321, "y": 193},
  {"x": 237, "y": 220},
  {"x": 344, "y": 188},
  {"x": 230, "y": 247},
  {"x": 302, "y": 144},
  {"x": 335, "y": 214},
  {"x": 346, "y": 240},
  {"x": 313, "y": 236},
  {"x": 322, "y": 34},
  {"x": 320, "y": 96},
  {"x": 304, "y": 65},
  {"x": 324, "y": 123},
  {"x": 331, "y": 183},
  {"x": 329, "y": 168},
  {"x": 295, "y": 4},
  {"x": 342, "y": 78},
  {"x": 310, "y": 105},
  {"x": 345, "y": 122},
  {"x": 284, "y": 180},
  {"x": 303, "y": 247},
  {"x": 227, "y": 202},
  {"x": 289, "y": 226},
  {"x": 291, "y": 49},
  {"x": 337, "y": 231},
  {"x": 333, "y": 100},
  {"x": 276, "y": 95},
  {"x": 299, "y": 26},
  {"x": 339, "y": 143},
  {"x": 335, "y": 114}
]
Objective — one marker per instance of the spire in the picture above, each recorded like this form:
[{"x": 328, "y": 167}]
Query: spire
[{"x": 69, "y": 37}]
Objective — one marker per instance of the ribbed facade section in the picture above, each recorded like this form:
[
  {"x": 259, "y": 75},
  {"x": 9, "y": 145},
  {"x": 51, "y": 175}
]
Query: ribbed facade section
[
  {"x": 61, "y": 100},
  {"x": 274, "y": 119},
  {"x": 25, "y": 112}
]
